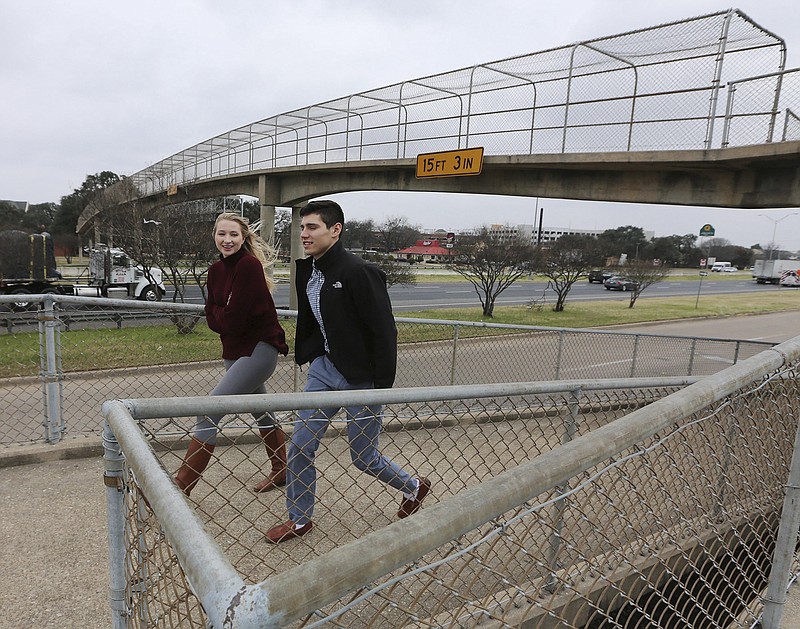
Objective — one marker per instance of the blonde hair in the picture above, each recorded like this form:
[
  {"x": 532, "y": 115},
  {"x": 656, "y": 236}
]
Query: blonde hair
[{"x": 253, "y": 243}]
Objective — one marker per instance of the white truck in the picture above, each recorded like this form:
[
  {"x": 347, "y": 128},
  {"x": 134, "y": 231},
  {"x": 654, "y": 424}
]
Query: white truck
[
  {"x": 28, "y": 266},
  {"x": 111, "y": 268},
  {"x": 770, "y": 271}
]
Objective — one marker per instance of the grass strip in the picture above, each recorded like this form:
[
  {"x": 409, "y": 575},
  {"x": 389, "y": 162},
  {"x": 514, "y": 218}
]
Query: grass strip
[{"x": 99, "y": 349}]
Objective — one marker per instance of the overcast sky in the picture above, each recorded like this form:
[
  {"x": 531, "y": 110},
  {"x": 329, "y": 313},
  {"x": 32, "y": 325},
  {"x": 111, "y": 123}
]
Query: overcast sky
[{"x": 93, "y": 85}]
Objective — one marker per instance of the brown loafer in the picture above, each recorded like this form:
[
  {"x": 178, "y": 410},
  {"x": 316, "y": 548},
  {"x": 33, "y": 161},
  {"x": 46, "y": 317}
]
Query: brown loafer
[
  {"x": 408, "y": 507},
  {"x": 273, "y": 481},
  {"x": 286, "y": 531}
]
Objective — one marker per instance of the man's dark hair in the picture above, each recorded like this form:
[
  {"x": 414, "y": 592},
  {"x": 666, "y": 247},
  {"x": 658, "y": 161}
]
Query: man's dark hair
[{"x": 329, "y": 211}]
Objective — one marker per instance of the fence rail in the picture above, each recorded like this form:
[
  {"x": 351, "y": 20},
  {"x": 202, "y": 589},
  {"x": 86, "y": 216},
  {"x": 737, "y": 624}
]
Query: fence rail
[
  {"x": 61, "y": 360},
  {"x": 555, "y": 504}
]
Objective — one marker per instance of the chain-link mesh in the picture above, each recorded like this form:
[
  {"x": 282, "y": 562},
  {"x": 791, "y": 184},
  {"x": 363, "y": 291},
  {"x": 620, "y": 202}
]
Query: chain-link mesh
[
  {"x": 676, "y": 531},
  {"x": 145, "y": 354},
  {"x": 653, "y": 89},
  {"x": 457, "y": 443},
  {"x": 753, "y": 120}
]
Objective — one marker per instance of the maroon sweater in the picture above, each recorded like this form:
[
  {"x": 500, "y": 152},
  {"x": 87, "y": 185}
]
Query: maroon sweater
[{"x": 240, "y": 307}]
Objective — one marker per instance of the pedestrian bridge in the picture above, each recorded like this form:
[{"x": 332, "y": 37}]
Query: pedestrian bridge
[{"x": 697, "y": 112}]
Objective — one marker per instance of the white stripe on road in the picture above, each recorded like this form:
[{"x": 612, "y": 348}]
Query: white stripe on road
[{"x": 613, "y": 362}]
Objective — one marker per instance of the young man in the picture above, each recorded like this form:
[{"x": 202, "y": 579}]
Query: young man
[{"x": 346, "y": 330}]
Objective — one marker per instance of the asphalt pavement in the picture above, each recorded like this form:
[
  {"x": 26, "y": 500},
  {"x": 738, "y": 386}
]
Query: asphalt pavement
[{"x": 53, "y": 556}]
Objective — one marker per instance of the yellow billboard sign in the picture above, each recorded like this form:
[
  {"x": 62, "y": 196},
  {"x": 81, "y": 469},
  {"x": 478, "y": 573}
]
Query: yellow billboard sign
[{"x": 450, "y": 163}]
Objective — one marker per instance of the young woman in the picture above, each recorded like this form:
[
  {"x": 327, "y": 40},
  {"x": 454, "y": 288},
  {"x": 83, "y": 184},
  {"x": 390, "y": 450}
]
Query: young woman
[{"x": 240, "y": 309}]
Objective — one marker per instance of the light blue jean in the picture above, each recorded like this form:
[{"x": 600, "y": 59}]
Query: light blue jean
[
  {"x": 363, "y": 427},
  {"x": 242, "y": 376}
]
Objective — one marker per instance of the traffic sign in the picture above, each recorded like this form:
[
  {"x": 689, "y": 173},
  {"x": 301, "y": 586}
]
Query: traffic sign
[
  {"x": 450, "y": 163},
  {"x": 707, "y": 230}
]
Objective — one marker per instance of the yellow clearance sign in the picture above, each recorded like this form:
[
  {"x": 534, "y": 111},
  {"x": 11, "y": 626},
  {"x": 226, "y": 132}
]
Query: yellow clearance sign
[{"x": 450, "y": 163}]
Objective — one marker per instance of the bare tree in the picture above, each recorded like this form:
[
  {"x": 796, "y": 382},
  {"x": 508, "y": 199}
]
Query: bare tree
[
  {"x": 644, "y": 274},
  {"x": 129, "y": 228},
  {"x": 566, "y": 261},
  {"x": 186, "y": 246},
  {"x": 175, "y": 239},
  {"x": 396, "y": 272},
  {"x": 283, "y": 232},
  {"x": 395, "y": 233},
  {"x": 490, "y": 265},
  {"x": 359, "y": 234}
]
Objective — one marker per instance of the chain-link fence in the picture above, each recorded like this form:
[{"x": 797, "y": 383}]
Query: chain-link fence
[
  {"x": 617, "y": 503},
  {"x": 61, "y": 360},
  {"x": 659, "y": 88},
  {"x": 751, "y": 120}
]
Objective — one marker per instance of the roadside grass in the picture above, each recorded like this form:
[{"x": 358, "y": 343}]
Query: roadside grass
[
  {"x": 592, "y": 314},
  {"x": 87, "y": 350}
]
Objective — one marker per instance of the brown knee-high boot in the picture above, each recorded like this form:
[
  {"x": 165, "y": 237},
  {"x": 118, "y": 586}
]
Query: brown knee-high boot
[
  {"x": 194, "y": 464},
  {"x": 275, "y": 444}
]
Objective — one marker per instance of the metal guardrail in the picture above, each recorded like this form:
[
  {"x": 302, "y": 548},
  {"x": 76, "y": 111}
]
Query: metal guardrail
[
  {"x": 554, "y": 504},
  {"x": 50, "y": 381}
]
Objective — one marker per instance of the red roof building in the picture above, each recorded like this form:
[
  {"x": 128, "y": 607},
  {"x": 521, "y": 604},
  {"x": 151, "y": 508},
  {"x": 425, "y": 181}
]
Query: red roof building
[{"x": 425, "y": 251}]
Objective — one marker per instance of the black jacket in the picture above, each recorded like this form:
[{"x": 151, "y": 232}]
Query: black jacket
[{"x": 357, "y": 312}]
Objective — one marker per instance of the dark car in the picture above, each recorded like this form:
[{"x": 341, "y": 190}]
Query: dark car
[
  {"x": 620, "y": 282},
  {"x": 599, "y": 275}
]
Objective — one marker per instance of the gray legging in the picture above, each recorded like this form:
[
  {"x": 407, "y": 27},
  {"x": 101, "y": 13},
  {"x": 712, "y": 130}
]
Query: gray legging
[{"x": 243, "y": 375}]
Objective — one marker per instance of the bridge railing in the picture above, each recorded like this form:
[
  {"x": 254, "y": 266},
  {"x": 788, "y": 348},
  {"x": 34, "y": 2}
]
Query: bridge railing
[
  {"x": 69, "y": 354},
  {"x": 553, "y": 504},
  {"x": 658, "y": 88},
  {"x": 751, "y": 119}
]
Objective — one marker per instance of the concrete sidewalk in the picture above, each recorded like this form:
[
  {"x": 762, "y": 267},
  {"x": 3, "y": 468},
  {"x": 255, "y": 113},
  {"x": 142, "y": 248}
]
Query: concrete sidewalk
[{"x": 53, "y": 561}]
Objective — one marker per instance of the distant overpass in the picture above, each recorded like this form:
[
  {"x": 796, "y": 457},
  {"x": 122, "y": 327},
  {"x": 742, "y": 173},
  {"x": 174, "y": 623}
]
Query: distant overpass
[{"x": 696, "y": 112}]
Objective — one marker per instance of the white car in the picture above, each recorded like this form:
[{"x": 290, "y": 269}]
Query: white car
[{"x": 729, "y": 269}]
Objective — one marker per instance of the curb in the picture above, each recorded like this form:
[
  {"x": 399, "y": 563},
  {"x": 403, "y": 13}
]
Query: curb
[{"x": 29, "y": 454}]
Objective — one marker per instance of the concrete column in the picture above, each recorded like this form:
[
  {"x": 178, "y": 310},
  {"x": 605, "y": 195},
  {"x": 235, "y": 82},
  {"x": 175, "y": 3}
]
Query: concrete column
[
  {"x": 267, "y": 219},
  {"x": 268, "y": 223},
  {"x": 266, "y": 200},
  {"x": 295, "y": 252}
]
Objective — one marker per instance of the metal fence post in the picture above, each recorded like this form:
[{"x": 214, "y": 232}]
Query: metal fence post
[
  {"x": 691, "y": 357},
  {"x": 50, "y": 358},
  {"x": 114, "y": 480},
  {"x": 570, "y": 428},
  {"x": 453, "y": 355},
  {"x": 784, "y": 545},
  {"x": 560, "y": 352},
  {"x": 295, "y": 377},
  {"x": 635, "y": 355}
]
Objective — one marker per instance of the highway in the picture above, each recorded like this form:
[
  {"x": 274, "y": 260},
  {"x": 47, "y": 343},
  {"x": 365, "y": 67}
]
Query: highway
[
  {"x": 430, "y": 294},
  {"x": 462, "y": 294}
]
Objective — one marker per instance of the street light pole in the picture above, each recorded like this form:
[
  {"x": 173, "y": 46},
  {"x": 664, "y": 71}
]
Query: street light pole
[{"x": 775, "y": 228}]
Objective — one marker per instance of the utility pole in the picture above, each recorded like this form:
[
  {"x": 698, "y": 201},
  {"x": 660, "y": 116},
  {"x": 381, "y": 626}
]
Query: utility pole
[
  {"x": 541, "y": 216},
  {"x": 775, "y": 229}
]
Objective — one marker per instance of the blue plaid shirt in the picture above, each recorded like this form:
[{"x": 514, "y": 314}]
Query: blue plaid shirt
[{"x": 313, "y": 289}]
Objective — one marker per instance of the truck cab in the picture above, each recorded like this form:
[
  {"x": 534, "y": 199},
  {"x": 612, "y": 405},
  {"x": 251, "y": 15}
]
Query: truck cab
[{"x": 110, "y": 267}]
